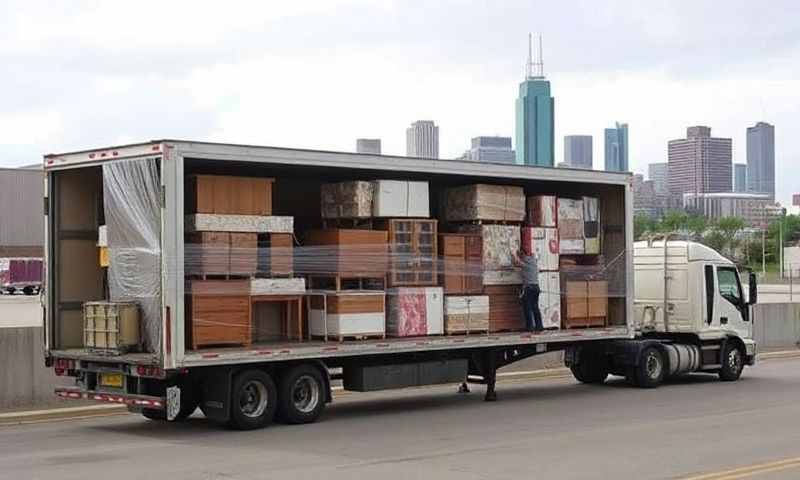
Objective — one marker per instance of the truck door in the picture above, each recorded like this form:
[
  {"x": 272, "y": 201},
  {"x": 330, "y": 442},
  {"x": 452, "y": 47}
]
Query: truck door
[{"x": 731, "y": 312}]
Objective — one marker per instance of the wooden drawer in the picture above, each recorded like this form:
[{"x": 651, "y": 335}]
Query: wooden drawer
[{"x": 218, "y": 313}]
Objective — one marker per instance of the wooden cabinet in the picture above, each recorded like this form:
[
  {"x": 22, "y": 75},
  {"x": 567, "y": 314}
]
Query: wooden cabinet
[
  {"x": 461, "y": 263},
  {"x": 505, "y": 309},
  {"x": 275, "y": 254},
  {"x": 218, "y": 313},
  {"x": 585, "y": 303},
  {"x": 413, "y": 251},
  {"x": 222, "y": 194},
  {"x": 344, "y": 253}
]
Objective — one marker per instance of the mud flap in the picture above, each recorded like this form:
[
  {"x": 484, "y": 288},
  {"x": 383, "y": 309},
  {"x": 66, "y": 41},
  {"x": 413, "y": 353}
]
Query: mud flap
[{"x": 173, "y": 402}]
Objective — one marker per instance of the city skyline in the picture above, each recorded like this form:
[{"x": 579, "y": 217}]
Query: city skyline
[
  {"x": 578, "y": 151},
  {"x": 615, "y": 154},
  {"x": 220, "y": 86}
]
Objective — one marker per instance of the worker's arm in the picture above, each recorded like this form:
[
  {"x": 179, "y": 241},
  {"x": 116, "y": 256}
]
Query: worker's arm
[{"x": 515, "y": 258}]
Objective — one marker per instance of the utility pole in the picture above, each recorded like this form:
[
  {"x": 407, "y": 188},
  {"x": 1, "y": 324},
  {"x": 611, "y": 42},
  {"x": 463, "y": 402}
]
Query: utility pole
[{"x": 764, "y": 252}]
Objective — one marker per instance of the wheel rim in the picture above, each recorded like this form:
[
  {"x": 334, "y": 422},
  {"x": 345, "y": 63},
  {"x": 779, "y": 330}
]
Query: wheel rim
[
  {"x": 253, "y": 399},
  {"x": 305, "y": 394},
  {"x": 734, "y": 360},
  {"x": 653, "y": 365}
]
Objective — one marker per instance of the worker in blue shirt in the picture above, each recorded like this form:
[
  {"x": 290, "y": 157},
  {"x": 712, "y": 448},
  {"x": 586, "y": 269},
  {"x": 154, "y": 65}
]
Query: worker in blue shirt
[{"x": 529, "y": 266}]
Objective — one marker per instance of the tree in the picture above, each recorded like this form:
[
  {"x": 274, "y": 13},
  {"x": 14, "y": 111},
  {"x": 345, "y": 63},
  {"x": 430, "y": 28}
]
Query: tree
[
  {"x": 643, "y": 224},
  {"x": 723, "y": 235}
]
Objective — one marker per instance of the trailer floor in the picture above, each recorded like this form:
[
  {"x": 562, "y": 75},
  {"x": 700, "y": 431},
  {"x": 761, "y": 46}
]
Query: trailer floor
[{"x": 295, "y": 350}]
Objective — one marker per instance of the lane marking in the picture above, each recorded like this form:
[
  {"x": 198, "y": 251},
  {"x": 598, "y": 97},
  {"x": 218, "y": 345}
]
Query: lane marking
[{"x": 749, "y": 471}]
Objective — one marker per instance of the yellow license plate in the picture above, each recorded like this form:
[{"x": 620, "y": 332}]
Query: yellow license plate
[{"x": 111, "y": 380}]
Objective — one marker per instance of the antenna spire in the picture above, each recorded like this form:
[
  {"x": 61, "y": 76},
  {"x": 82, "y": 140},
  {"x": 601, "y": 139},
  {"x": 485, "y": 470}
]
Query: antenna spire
[{"x": 534, "y": 67}]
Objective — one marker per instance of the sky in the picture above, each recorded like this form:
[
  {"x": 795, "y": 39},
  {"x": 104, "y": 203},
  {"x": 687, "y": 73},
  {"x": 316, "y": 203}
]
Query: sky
[{"x": 319, "y": 74}]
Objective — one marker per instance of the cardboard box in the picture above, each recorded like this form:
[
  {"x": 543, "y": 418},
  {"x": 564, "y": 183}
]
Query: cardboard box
[
  {"x": 570, "y": 226},
  {"x": 348, "y": 314},
  {"x": 347, "y": 199},
  {"x": 544, "y": 243},
  {"x": 591, "y": 225},
  {"x": 415, "y": 311},
  {"x": 485, "y": 202},
  {"x": 542, "y": 211},
  {"x": 396, "y": 198},
  {"x": 464, "y": 314}
]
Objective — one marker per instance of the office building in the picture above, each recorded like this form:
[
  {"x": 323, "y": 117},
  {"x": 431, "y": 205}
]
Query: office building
[
  {"x": 658, "y": 173},
  {"x": 616, "y": 158},
  {"x": 491, "y": 149},
  {"x": 422, "y": 140},
  {"x": 740, "y": 177},
  {"x": 761, "y": 159},
  {"x": 699, "y": 164},
  {"x": 757, "y": 210},
  {"x": 535, "y": 133},
  {"x": 368, "y": 145},
  {"x": 578, "y": 151},
  {"x": 645, "y": 201}
]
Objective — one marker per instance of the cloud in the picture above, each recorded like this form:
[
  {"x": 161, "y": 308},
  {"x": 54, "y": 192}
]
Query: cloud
[{"x": 319, "y": 74}]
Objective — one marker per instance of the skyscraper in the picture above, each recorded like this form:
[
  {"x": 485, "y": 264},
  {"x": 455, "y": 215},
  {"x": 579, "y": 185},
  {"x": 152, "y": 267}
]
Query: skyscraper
[
  {"x": 492, "y": 149},
  {"x": 740, "y": 177},
  {"x": 422, "y": 139},
  {"x": 761, "y": 159},
  {"x": 578, "y": 151},
  {"x": 699, "y": 163},
  {"x": 658, "y": 173},
  {"x": 368, "y": 145},
  {"x": 535, "y": 133},
  {"x": 617, "y": 148}
]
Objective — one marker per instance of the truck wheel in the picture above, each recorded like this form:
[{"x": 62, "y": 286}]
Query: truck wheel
[
  {"x": 592, "y": 369},
  {"x": 253, "y": 400},
  {"x": 302, "y": 395},
  {"x": 590, "y": 373},
  {"x": 732, "y": 363},
  {"x": 27, "y": 290},
  {"x": 651, "y": 369}
]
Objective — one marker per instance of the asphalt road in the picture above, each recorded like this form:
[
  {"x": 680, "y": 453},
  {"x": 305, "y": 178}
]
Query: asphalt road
[{"x": 538, "y": 429}]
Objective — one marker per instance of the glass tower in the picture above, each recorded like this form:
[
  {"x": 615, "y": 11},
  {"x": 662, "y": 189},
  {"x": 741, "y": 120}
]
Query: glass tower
[
  {"x": 616, "y": 150},
  {"x": 535, "y": 135}
]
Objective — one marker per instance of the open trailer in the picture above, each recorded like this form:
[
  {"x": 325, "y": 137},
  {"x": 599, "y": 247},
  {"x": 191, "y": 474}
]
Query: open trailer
[{"x": 146, "y": 190}]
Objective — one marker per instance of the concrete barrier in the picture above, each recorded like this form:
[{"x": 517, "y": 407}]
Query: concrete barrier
[
  {"x": 24, "y": 380},
  {"x": 776, "y": 325}
]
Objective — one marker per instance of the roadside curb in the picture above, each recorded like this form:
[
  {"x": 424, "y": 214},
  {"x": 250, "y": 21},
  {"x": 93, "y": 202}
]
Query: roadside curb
[
  {"x": 52, "y": 414},
  {"x": 90, "y": 411}
]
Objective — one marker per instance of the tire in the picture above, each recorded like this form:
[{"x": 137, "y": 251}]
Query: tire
[
  {"x": 253, "y": 400},
  {"x": 27, "y": 290},
  {"x": 301, "y": 396},
  {"x": 652, "y": 368},
  {"x": 630, "y": 377},
  {"x": 732, "y": 363},
  {"x": 592, "y": 369},
  {"x": 156, "y": 415}
]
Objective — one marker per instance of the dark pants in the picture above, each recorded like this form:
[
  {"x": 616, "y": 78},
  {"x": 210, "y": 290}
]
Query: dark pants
[{"x": 530, "y": 306}]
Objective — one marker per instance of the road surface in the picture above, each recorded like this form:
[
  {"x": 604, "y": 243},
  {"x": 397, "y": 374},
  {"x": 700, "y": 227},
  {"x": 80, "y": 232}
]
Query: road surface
[{"x": 539, "y": 429}]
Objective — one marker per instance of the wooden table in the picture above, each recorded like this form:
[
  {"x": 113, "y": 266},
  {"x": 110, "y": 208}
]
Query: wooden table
[{"x": 291, "y": 310}]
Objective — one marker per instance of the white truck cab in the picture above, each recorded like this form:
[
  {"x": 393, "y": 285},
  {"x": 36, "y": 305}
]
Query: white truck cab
[
  {"x": 691, "y": 314},
  {"x": 687, "y": 287}
]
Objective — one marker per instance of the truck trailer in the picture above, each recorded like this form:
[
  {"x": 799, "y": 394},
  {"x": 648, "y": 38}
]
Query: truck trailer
[{"x": 668, "y": 307}]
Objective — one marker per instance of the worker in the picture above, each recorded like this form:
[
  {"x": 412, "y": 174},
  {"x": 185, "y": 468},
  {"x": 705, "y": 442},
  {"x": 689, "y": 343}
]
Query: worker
[{"x": 527, "y": 262}]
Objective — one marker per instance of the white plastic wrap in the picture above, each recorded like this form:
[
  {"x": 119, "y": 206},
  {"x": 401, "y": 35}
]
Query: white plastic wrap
[{"x": 132, "y": 210}]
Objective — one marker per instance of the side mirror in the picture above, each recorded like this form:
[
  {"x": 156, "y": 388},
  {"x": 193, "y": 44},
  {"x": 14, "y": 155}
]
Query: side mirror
[{"x": 753, "y": 293}]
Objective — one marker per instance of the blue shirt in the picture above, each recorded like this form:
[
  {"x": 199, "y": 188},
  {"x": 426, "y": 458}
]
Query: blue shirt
[{"x": 530, "y": 270}]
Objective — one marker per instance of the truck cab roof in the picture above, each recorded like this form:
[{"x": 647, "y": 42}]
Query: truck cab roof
[{"x": 678, "y": 251}]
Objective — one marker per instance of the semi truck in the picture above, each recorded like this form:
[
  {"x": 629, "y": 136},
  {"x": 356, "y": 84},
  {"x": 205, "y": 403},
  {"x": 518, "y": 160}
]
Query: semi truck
[
  {"x": 673, "y": 306},
  {"x": 20, "y": 274}
]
